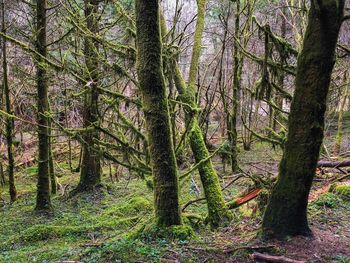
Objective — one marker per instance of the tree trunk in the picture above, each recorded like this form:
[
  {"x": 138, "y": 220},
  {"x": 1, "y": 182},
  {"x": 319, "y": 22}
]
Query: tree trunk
[
  {"x": 218, "y": 213},
  {"x": 90, "y": 173},
  {"x": 237, "y": 69},
  {"x": 286, "y": 213},
  {"x": 9, "y": 120},
  {"x": 43, "y": 201},
  {"x": 339, "y": 137},
  {"x": 2, "y": 175},
  {"x": 155, "y": 106},
  {"x": 53, "y": 179}
]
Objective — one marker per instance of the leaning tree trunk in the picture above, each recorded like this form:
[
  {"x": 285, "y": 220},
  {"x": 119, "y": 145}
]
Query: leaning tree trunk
[
  {"x": 43, "y": 201},
  {"x": 90, "y": 173},
  {"x": 286, "y": 213},
  {"x": 9, "y": 120},
  {"x": 155, "y": 106},
  {"x": 218, "y": 213}
]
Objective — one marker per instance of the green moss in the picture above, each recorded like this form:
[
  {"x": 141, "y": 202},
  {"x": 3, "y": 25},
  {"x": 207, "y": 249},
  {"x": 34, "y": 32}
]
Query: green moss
[
  {"x": 218, "y": 213},
  {"x": 262, "y": 200},
  {"x": 127, "y": 250},
  {"x": 31, "y": 171},
  {"x": 132, "y": 207},
  {"x": 329, "y": 200},
  {"x": 44, "y": 232},
  {"x": 342, "y": 190},
  {"x": 44, "y": 251},
  {"x": 180, "y": 232}
]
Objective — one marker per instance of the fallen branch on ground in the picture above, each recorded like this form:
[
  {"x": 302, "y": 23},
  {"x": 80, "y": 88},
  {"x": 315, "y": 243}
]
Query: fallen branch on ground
[
  {"x": 252, "y": 248},
  {"x": 274, "y": 259},
  {"x": 245, "y": 199},
  {"x": 333, "y": 164},
  {"x": 232, "y": 204}
]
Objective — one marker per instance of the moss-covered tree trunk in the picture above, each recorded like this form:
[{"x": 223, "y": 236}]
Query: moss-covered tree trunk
[
  {"x": 9, "y": 120},
  {"x": 43, "y": 201},
  {"x": 155, "y": 107},
  {"x": 286, "y": 213},
  {"x": 218, "y": 213},
  {"x": 237, "y": 69},
  {"x": 90, "y": 171}
]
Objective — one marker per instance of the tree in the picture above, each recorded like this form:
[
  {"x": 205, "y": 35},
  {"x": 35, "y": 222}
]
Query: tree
[
  {"x": 90, "y": 174},
  {"x": 9, "y": 119},
  {"x": 43, "y": 201},
  {"x": 218, "y": 213},
  {"x": 155, "y": 107},
  {"x": 286, "y": 213},
  {"x": 237, "y": 70}
]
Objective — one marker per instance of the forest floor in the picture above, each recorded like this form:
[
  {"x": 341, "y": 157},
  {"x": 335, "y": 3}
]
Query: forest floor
[{"x": 105, "y": 226}]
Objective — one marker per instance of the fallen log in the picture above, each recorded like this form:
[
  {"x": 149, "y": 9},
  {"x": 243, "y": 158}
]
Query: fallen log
[
  {"x": 232, "y": 204},
  {"x": 245, "y": 199},
  {"x": 274, "y": 259},
  {"x": 333, "y": 164}
]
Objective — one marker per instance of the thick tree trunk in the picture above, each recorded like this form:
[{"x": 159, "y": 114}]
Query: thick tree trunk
[
  {"x": 286, "y": 213},
  {"x": 90, "y": 173},
  {"x": 9, "y": 120},
  {"x": 155, "y": 106},
  {"x": 43, "y": 201}
]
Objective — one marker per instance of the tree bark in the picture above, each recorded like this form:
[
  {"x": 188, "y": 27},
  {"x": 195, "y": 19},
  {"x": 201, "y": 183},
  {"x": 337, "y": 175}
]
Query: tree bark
[
  {"x": 43, "y": 201},
  {"x": 90, "y": 170},
  {"x": 237, "y": 70},
  {"x": 155, "y": 107},
  {"x": 286, "y": 213},
  {"x": 53, "y": 179},
  {"x": 9, "y": 119}
]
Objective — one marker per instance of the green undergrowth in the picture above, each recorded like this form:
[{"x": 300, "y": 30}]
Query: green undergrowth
[
  {"x": 77, "y": 222},
  {"x": 115, "y": 223},
  {"x": 343, "y": 191}
]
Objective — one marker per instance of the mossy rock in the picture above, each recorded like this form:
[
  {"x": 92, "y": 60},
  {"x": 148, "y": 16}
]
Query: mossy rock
[
  {"x": 180, "y": 232},
  {"x": 133, "y": 207}
]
